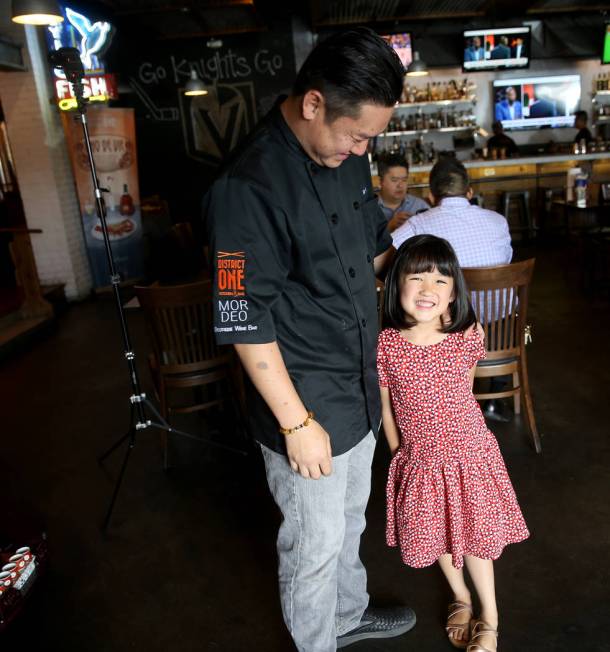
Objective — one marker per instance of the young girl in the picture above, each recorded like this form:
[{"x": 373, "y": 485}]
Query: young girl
[{"x": 449, "y": 497}]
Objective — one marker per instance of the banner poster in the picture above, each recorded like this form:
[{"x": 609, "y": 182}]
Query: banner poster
[{"x": 113, "y": 142}]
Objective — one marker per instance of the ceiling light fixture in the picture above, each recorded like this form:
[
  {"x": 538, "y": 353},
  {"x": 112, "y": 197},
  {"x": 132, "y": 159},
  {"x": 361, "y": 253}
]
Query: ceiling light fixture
[
  {"x": 417, "y": 68},
  {"x": 36, "y": 12},
  {"x": 195, "y": 86}
]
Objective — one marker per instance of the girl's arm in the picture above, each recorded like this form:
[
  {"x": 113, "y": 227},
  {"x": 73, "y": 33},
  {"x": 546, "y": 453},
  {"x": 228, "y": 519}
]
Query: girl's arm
[
  {"x": 389, "y": 424},
  {"x": 473, "y": 370}
]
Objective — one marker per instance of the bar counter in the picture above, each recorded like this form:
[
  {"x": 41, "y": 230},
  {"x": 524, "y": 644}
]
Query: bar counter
[{"x": 543, "y": 176}]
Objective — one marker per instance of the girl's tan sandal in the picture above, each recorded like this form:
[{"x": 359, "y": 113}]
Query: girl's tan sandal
[
  {"x": 480, "y": 629},
  {"x": 452, "y": 628}
]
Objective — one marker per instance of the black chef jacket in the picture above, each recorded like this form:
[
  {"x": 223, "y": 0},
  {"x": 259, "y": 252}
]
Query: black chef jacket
[{"x": 293, "y": 245}]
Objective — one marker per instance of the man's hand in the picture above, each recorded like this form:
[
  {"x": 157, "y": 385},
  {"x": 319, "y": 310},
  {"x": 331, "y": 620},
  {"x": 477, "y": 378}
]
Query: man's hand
[
  {"x": 398, "y": 219},
  {"x": 309, "y": 451}
]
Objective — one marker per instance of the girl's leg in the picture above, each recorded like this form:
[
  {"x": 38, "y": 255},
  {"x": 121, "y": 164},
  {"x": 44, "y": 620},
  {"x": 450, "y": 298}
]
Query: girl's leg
[
  {"x": 455, "y": 578},
  {"x": 482, "y": 574}
]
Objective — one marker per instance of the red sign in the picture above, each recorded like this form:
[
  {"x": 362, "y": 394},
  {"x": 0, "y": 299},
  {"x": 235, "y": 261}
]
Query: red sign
[{"x": 95, "y": 88}]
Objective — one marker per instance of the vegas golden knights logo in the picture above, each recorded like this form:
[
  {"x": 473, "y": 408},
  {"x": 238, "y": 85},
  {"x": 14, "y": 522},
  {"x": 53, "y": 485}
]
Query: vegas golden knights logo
[{"x": 215, "y": 123}]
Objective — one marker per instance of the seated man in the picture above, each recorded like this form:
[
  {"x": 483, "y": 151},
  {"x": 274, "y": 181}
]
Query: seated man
[
  {"x": 396, "y": 204},
  {"x": 479, "y": 237}
]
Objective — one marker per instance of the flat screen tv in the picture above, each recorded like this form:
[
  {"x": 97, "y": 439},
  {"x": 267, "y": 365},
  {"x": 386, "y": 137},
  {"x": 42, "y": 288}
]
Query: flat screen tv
[
  {"x": 535, "y": 102},
  {"x": 606, "y": 44},
  {"x": 496, "y": 49},
  {"x": 402, "y": 44}
]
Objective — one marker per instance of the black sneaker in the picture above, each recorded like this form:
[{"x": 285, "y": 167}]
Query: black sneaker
[
  {"x": 496, "y": 411},
  {"x": 379, "y": 623}
]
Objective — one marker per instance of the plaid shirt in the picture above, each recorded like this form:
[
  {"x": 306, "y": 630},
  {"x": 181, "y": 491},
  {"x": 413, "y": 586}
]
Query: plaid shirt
[{"x": 479, "y": 237}]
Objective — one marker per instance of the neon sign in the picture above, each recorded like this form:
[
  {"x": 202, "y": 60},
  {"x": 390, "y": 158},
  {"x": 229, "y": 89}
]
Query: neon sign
[{"x": 92, "y": 40}]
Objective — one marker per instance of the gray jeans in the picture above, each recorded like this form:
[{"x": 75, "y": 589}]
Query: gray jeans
[{"x": 322, "y": 580}]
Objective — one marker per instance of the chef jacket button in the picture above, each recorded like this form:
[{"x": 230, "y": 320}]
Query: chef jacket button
[
  {"x": 313, "y": 168},
  {"x": 334, "y": 218},
  {"x": 356, "y": 205},
  {"x": 363, "y": 322},
  {"x": 352, "y": 272},
  {"x": 368, "y": 258}
]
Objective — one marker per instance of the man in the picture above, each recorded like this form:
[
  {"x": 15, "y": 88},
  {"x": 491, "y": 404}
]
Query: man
[
  {"x": 474, "y": 51},
  {"x": 518, "y": 48},
  {"x": 397, "y": 205},
  {"x": 543, "y": 108},
  {"x": 500, "y": 140},
  {"x": 479, "y": 237},
  {"x": 580, "y": 122},
  {"x": 297, "y": 237},
  {"x": 509, "y": 108},
  {"x": 501, "y": 51}
]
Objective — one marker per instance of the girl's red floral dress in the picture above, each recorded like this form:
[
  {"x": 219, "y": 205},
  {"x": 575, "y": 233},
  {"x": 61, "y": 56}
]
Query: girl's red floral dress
[{"x": 448, "y": 490}]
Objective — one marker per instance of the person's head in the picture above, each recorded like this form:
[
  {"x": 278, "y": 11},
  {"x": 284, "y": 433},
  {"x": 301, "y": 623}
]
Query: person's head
[
  {"x": 345, "y": 94},
  {"x": 393, "y": 178},
  {"x": 497, "y": 128},
  {"x": 518, "y": 41},
  {"x": 580, "y": 119},
  {"x": 448, "y": 178},
  {"x": 511, "y": 94},
  {"x": 503, "y": 40},
  {"x": 426, "y": 285},
  {"x": 476, "y": 42}
]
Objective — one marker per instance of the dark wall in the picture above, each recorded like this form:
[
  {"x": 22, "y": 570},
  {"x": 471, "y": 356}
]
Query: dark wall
[{"x": 182, "y": 140}]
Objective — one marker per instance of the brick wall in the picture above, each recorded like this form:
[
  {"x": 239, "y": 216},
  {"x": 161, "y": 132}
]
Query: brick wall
[{"x": 43, "y": 167}]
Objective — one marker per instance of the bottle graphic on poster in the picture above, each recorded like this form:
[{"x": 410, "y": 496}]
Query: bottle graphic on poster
[{"x": 126, "y": 206}]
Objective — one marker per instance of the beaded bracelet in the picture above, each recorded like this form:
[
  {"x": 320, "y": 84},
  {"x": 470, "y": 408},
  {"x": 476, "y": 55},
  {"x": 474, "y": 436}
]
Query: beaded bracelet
[{"x": 289, "y": 431}]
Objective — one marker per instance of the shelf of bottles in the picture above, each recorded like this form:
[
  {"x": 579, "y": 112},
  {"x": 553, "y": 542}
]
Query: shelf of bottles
[
  {"x": 600, "y": 101},
  {"x": 433, "y": 108},
  {"x": 452, "y": 100}
]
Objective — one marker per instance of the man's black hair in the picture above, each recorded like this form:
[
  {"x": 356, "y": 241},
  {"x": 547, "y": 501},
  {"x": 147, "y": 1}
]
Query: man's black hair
[
  {"x": 352, "y": 68},
  {"x": 582, "y": 115},
  {"x": 448, "y": 178},
  {"x": 391, "y": 161}
]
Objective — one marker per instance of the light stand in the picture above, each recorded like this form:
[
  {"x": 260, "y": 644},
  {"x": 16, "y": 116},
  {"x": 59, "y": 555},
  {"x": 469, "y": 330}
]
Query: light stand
[{"x": 68, "y": 59}]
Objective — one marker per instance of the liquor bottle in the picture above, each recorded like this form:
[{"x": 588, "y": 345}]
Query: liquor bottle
[{"x": 126, "y": 206}]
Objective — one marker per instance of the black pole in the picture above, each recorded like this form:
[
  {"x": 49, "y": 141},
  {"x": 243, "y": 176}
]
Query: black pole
[{"x": 68, "y": 59}]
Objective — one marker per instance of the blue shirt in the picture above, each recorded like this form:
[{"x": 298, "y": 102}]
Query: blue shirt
[{"x": 411, "y": 204}]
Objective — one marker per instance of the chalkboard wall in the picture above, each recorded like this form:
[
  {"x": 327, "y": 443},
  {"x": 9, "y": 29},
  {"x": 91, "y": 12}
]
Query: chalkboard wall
[{"x": 183, "y": 140}]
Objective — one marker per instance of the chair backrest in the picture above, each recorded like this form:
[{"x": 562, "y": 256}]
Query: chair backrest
[
  {"x": 181, "y": 323},
  {"x": 500, "y": 296}
]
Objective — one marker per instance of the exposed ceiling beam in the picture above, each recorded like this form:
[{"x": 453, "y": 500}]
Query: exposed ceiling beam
[
  {"x": 329, "y": 22},
  {"x": 215, "y": 32},
  {"x": 185, "y": 7},
  {"x": 571, "y": 9}
]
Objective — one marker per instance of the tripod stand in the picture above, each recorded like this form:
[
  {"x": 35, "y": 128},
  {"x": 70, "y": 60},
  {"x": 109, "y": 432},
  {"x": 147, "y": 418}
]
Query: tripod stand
[{"x": 68, "y": 59}]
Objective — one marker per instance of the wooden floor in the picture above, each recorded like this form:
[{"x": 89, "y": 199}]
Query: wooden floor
[{"x": 189, "y": 562}]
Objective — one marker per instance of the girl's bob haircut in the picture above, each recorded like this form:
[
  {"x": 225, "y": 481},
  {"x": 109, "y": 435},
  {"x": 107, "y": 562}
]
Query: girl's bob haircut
[{"x": 425, "y": 253}]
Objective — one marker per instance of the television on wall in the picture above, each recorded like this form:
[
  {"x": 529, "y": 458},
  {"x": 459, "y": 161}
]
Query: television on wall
[
  {"x": 606, "y": 44},
  {"x": 401, "y": 42},
  {"x": 496, "y": 49},
  {"x": 535, "y": 102}
]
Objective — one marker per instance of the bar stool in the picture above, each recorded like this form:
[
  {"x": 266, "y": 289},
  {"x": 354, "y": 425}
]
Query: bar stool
[
  {"x": 522, "y": 199},
  {"x": 547, "y": 218}
]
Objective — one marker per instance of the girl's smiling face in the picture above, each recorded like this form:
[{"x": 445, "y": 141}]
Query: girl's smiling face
[{"x": 425, "y": 296}]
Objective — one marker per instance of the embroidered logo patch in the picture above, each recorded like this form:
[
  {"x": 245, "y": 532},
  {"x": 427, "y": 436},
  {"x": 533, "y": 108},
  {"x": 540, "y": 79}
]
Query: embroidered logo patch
[{"x": 231, "y": 267}]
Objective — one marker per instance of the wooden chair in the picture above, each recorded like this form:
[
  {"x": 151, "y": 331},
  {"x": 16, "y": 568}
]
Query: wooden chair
[
  {"x": 185, "y": 355},
  {"x": 500, "y": 302}
]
